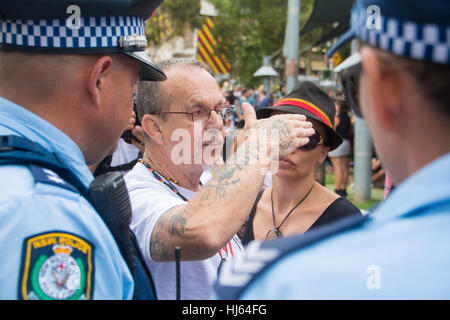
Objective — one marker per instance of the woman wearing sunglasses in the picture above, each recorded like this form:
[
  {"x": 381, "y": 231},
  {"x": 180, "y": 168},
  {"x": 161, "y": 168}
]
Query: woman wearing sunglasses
[{"x": 297, "y": 203}]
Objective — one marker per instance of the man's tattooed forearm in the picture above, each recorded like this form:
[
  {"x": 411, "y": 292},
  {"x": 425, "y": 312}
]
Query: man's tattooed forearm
[{"x": 222, "y": 179}]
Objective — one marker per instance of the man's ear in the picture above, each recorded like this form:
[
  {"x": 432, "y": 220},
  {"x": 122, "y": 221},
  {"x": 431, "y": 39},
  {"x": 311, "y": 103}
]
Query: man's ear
[
  {"x": 98, "y": 77},
  {"x": 151, "y": 126},
  {"x": 385, "y": 89}
]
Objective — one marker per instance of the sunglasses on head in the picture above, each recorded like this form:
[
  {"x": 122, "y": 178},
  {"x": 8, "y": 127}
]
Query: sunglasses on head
[
  {"x": 314, "y": 141},
  {"x": 350, "y": 82}
]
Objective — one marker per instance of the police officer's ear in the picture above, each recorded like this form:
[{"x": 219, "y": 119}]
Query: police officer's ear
[
  {"x": 151, "y": 126},
  {"x": 97, "y": 77},
  {"x": 383, "y": 92}
]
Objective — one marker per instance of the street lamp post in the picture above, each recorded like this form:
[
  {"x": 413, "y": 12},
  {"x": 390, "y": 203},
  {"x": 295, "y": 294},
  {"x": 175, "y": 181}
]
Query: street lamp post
[
  {"x": 292, "y": 40},
  {"x": 363, "y": 158},
  {"x": 363, "y": 155}
]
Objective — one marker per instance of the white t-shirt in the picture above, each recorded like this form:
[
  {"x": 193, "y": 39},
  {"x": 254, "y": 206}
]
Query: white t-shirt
[
  {"x": 150, "y": 198},
  {"x": 124, "y": 153}
]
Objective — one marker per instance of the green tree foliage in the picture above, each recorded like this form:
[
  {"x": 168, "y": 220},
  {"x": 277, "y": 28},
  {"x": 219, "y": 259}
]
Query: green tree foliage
[
  {"x": 248, "y": 29},
  {"x": 253, "y": 29},
  {"x": 171, "y": 19}
]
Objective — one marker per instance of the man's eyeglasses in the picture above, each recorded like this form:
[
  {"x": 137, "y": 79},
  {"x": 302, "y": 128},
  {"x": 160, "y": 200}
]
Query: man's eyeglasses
[
  {"x": 314, "y": 141},
  {"x": 202, "y": 114}
]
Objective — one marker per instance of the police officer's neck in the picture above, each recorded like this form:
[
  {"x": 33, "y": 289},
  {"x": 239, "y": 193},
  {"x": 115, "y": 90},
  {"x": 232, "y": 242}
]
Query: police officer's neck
[
  {"x": 422, "y": 135},
  {"x": 54, "y": 109},
  {"x": 422, "y": 149}
]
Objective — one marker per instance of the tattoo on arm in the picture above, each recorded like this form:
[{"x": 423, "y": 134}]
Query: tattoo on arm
[
  {"x": 176, "y": 224},
  {"x": 225, "y": 176},
  {"x": 222, "y": 179},
  {"x": 285, "y": 141},
  {"x": 172, "y": 223},
  {"x": 285, "y": 138},
  {"x": 158, "y": 248}
]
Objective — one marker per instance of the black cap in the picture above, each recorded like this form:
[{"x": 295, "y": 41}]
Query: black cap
[
  {"x": 80, "y": 26},
  {"x": 308, "y": 99}
]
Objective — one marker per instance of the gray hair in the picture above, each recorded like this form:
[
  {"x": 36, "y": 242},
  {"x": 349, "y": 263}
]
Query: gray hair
[{"x": 150, "y": 95}]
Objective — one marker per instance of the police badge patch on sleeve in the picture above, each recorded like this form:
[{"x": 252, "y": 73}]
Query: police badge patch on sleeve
[{"x": 56, "y": 266}]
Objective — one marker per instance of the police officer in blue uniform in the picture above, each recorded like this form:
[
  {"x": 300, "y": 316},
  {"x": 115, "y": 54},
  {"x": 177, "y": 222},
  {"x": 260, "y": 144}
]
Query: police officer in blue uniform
[
  {"x": 400, "y": 251},
  {"x": 68, "y": 70}
]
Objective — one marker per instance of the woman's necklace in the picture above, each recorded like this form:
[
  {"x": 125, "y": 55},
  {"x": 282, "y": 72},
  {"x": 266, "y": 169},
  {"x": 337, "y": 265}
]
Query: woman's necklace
[{"x": 275, "y": 232}]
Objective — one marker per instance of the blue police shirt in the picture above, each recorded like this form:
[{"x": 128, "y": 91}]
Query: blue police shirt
[
  {"x": 400, "y": 252},
  {"x": 53, "y": 244}
]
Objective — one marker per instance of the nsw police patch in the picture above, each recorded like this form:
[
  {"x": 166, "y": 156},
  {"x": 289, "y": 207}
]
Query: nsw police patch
[{"x": 56, "y": 266}]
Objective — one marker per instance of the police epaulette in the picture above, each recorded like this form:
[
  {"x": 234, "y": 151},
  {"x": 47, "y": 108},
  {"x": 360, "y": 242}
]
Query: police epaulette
[
  {"x": 43, "y": 175},
  {"x": 245, "y": 268},
  {"x": 44, "y": 165}
]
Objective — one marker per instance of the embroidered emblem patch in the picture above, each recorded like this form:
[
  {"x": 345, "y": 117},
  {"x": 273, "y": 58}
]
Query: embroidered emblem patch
[{"x": 56, "y": 266}]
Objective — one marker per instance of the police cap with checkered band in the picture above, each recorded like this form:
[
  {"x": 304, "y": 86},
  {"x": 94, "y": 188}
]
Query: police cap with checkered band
[
  {"x": 414, "y": 29},
  {"x": 79, "y": 26}
]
